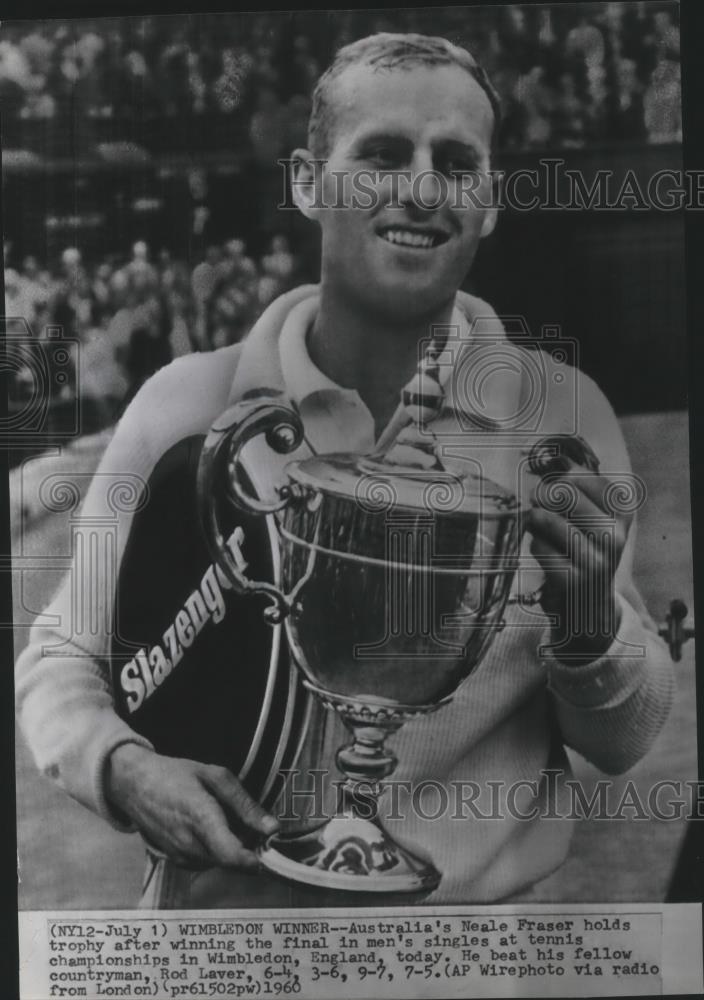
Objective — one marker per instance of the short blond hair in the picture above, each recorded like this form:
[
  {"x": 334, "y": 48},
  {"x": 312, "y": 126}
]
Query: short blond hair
[{"x": 387, "y": 51}]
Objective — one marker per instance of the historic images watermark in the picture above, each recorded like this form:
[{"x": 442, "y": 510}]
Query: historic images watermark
[
  {"x": 550, "y": 185},
  {"x": 554, "y": 794},
  {"x": 454, "y": 460},
  {"x": 44, "y": 377},
  {"x": 468, "y": 369}
]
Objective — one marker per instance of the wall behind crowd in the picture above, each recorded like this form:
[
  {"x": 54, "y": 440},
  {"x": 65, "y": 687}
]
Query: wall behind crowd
[{"x": 141, "y": 182}]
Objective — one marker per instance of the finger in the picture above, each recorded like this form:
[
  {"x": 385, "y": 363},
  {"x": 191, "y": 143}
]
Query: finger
[
  {"x": 551, "y": 529},
  {"x": 237, "y": 801},
  {"x": 555, "y": 565},
  {"x": 598, "y": 538},
  {"x": 171, "y": 825},
  {"x": 603, "y": 493},
  {"x": 591, "y": 555},
  {"x": 594, "y": 484},
  {"x": 575, "y": 496},
  {"x": 585, "y": 507},
  {"x": 209, "y": 841},
  {"x": 598, "y": 488},
  {"x": 221, "y": 844},
  {"x": 557, "y": 572},
  {"x": 585, "y": 585},
  {"x": 185, "y": 849}
]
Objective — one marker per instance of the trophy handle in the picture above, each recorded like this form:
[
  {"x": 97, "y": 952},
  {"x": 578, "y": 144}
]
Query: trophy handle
[
  {"x": 218, "y": 469},
  {"x": 547, "y": 456}
]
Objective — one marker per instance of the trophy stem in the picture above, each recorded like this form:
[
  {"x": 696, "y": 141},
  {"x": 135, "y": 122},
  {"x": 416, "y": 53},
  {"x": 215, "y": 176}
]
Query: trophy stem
[
  {"x": 365, "y": 762},
  {"x": 352, "y": 850}
]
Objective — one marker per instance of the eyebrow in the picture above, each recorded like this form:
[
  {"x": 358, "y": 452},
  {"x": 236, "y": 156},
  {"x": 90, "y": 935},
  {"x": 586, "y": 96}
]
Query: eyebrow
[
  {"x": 372, "y": 138},
  {"x": 468, "y": 149},
  {"x": 401, "y": 140}
]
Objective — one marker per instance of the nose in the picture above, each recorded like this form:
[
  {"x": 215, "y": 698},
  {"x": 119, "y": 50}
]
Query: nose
[{"x": 420, "y": 186}]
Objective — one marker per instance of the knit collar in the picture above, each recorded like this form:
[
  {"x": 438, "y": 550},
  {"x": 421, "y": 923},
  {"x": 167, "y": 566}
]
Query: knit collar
[
  {"x": 275, "y": 359},
  {"x": 303, "y": 378}
]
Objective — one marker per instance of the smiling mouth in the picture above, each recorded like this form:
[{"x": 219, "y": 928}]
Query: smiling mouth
[{"x": 414, "y": 238}]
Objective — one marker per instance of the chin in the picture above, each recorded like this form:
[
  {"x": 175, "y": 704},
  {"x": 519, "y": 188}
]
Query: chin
[{"x": 399, "y": 299}]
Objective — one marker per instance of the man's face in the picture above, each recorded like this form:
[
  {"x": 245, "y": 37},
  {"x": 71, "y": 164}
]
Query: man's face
[
  {"x": 30, "y": 267},
  {"x": 412, "y": 138}
]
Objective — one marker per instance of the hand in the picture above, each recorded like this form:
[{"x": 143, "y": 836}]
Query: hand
[
  {"x": 185, "y": 808},
  {"x": 578, "y": 538}
]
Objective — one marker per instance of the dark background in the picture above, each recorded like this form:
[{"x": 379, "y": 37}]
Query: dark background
[{"x": 112, "y": 162}]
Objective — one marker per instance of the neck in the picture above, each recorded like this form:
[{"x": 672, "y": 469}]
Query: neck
[{"x": 374, "y": 354}]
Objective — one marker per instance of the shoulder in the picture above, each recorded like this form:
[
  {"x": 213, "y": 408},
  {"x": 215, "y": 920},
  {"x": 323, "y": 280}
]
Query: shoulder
[
  {"x": 179, "y": 401},
  {"x": 538, "y": 389},
  {"x": 574, "y": 404},
  {"x": 194, "y": 383},
  {"x": 601, "y": 427}
]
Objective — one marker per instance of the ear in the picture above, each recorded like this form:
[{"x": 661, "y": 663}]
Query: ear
[
  {"x": 489, "y": 221},
  {"x": 492, "y": 212},
  {"x": 306, "y": 182}
]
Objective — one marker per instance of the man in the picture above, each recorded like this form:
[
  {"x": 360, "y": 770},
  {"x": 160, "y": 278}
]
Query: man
[
  {"x": 418, "y": 117},
  {"x": 140, "y": 270}
]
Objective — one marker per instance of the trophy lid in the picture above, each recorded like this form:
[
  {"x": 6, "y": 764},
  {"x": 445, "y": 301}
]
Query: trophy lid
[{"x": 412, "y": 484}]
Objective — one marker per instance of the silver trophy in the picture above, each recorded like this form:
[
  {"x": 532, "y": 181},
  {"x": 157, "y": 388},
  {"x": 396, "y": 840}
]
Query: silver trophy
[{"x": 394, "y": 579}]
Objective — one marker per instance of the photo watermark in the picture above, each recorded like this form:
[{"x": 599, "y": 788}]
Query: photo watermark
[{"x": 550, "y": 185}]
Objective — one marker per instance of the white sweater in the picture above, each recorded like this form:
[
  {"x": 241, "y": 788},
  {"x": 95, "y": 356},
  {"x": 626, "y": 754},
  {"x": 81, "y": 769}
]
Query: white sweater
[{"x": 509, "y": 720}]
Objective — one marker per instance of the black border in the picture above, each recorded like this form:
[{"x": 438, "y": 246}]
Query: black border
[
  {"x": 692, "y": 29},
  {"x": 9, "y": 951},
  {"x": 692, "y": 35}
]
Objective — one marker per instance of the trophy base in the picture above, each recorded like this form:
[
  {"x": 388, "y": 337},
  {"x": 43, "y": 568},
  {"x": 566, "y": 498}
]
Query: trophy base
[{"x": 349, "y": 853}]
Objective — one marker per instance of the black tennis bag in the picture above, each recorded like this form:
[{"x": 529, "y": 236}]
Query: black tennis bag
[{"x": 195, "y": 668}]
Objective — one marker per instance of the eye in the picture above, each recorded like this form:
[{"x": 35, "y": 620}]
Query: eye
[
  {"x": 384, "y": 157},
  {"x": 458, "y": 166}
]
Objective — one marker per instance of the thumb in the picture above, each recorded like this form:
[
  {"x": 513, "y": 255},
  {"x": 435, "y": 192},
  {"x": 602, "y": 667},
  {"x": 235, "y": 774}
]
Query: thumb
[{"x": 238, "y": 802}]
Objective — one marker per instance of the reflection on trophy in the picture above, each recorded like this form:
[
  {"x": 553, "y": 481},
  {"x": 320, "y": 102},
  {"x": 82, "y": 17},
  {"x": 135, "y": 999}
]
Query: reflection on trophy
[{"x": 393, "y": 583}]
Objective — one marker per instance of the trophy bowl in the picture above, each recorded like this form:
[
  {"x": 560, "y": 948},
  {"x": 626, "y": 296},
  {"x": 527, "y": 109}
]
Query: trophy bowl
[{"x": 394, "y": 578}]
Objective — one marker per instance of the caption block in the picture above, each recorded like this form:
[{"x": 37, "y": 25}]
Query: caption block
[{"x": 433, "y": 955}]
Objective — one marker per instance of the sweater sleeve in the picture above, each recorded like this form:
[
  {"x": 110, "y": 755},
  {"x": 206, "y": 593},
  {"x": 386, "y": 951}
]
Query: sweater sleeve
[
  {"x": 64, "y": 695},
  {"x": 63, "y": 690},
  {"x": 612, "y": 709}
]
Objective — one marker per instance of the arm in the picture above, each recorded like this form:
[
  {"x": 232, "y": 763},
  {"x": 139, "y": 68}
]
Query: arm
[
  {"x": 612, "y": 709},
  {"x": 611, "y": 678},
  {"x": 64, "y": 697}
]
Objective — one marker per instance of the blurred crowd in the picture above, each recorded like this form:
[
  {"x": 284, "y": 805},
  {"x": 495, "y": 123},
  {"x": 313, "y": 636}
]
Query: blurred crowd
[
  {"x": 127, "y": 318},
  {"x": 569, "y": 74},
  {"x": 610, "y": 73}
]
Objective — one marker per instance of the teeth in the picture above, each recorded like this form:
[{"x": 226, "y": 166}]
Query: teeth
[{"x": 409, "y": 239}]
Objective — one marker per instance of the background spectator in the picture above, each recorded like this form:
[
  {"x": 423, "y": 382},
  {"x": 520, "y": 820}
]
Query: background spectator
[
  {"x": 209, "y": 247},
  {"x": 134, "y": 316},
  {"x": 189, "y": 66}
]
